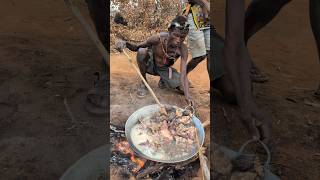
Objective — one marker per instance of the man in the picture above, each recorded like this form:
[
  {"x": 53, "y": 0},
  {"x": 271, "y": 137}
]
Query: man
[
  {"x": 199, "y": 31},
  {"x": 159, "y": 52}
]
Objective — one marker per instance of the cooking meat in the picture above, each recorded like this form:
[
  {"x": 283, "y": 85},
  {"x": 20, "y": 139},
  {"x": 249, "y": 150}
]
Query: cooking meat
[{"x": 173, "y": 133}]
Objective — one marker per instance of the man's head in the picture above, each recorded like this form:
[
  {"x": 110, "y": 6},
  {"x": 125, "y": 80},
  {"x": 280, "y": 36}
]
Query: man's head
[{"x": 178, "y": 30}]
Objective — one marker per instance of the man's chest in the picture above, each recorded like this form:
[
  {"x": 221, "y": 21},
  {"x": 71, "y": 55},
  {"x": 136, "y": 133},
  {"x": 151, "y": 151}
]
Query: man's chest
[{"x": 166, "y": 56}]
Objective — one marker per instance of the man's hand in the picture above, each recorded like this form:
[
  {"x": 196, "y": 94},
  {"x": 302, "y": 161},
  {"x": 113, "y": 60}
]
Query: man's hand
[
  {"x": 120, "y": 45},
  {"x": 190, "y": 101}
]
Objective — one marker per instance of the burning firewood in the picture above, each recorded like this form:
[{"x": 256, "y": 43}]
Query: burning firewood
[{"x": 124, "y": 148}]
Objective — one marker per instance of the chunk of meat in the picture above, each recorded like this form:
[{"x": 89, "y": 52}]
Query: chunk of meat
[
  {"x": 185, "y": 119},
  {"x": 165, "y": 131}
]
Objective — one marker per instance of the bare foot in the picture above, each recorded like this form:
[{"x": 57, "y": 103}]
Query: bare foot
[
  {"x": 250, "y": 124},
  {"x": 161, "y": 84},
  {"x": 142, "y": 91},
  {"x": 264, "y": 124}
]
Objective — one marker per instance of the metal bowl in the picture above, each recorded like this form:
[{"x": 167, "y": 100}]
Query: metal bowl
[{"x": 149, "y": 111}]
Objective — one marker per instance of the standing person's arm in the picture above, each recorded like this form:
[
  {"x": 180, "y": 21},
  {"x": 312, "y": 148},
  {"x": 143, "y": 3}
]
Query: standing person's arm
[{"x": 183, "y": 70}]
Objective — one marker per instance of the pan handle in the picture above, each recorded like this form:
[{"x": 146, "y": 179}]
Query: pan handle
[
  {"x": 190, "y": 108},
  {"x": 266, "y": 164}
]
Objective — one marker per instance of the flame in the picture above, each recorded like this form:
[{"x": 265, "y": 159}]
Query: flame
[{"x": 124, "y": 147}]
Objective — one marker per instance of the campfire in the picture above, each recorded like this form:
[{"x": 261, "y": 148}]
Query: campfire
[
  {"x": 125, "y": 163},
  {"x": 124, "y": 148}
]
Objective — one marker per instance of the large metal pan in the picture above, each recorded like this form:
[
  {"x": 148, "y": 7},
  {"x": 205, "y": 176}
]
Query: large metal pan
[{"x": 149, "y": 111}]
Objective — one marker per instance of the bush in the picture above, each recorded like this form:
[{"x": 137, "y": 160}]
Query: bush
[{"x": 144, "y": 17}]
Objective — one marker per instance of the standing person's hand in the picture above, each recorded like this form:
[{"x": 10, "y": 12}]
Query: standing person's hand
[{"x": 190, "y": 101}]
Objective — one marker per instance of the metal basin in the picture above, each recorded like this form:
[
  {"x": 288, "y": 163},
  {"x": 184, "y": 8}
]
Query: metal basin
[{"x": 149, "y": 111}]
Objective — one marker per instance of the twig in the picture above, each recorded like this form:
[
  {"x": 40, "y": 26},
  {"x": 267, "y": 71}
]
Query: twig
[
  {"x": 74, "y": 121},
  {"x": 291, "y": 100},
  {"x": 150, "y": 170},
  {"x": 206, "y": 123},
  {"x": 132, "y": 101},
  {"x": 311, "y": 104},
  {"x": 73, "y": 126},
  {"x": 203, "y": 163},
  {"x": 114, "y": 129}
]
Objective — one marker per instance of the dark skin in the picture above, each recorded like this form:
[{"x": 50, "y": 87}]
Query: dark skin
[
  {"x": 236, "y": 59},
  {"x": 261, "y": 12},
  {"x": 258, "y": 14},
  {"x": 174, "y": 46},
  {"x": 235, "y": 85}
]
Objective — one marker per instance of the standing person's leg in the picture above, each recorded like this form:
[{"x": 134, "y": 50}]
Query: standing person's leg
[
  {"x": 315, "y": 25},
  {"x": 196, "y": 45},
  {"x": 237, "y": 64},
  {"x": 259, "y": 14},
  {"x": 97, "y": 98}
]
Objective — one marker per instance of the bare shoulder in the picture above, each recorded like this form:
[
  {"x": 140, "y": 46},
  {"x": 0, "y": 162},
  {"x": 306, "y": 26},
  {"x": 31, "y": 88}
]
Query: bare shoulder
[{"x": 154, "y": 39}]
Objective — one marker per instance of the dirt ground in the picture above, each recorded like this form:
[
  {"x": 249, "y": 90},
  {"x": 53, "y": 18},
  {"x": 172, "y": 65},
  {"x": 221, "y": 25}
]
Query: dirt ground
[
  {"x": 44, "y": 56},
  {"x": 284, "y": 49}
]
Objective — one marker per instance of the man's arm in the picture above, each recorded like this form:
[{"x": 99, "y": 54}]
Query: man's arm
[
  {"x": 153, "y": 40},
  {"x": 183, "y": 70}
]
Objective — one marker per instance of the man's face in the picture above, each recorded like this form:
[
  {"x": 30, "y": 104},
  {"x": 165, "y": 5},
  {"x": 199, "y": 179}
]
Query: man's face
[{"x": 176, "y": 37}]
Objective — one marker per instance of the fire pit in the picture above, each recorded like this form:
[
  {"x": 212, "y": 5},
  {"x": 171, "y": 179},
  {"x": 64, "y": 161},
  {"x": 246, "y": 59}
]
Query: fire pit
[{"x": 126, "y": 163}]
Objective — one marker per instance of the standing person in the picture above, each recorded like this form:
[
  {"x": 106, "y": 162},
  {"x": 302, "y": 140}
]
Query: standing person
[{"x": 199, "y": 31}]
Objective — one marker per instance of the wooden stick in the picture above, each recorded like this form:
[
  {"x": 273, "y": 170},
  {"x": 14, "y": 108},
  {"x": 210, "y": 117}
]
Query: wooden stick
[
  {"x": 93, "y": 36},
  {"x": 203, "y": 163},
  {"x": 206, "y": 123}
]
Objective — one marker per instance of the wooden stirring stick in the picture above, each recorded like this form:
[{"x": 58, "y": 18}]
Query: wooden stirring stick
[{"x": 203, "y": 163}]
